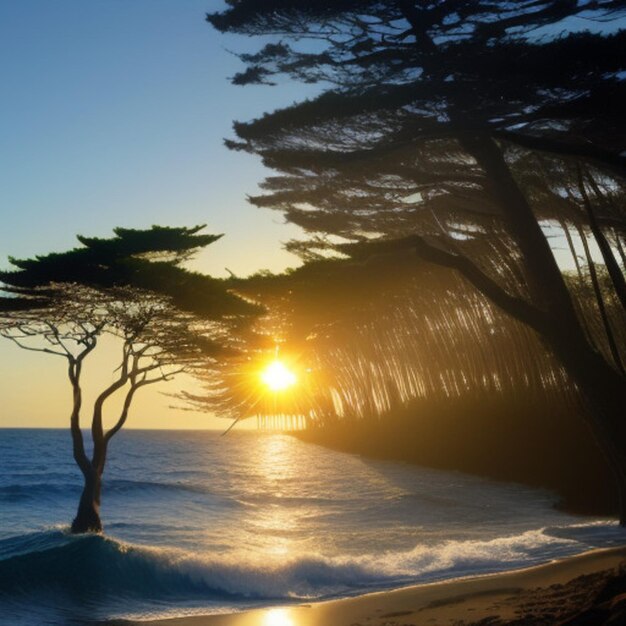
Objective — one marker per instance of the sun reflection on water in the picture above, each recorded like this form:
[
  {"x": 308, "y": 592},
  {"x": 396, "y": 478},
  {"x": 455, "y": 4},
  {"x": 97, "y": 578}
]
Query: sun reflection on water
[
  {"x": 276, "y": 521},
  {"x": 277, "y": 617}
]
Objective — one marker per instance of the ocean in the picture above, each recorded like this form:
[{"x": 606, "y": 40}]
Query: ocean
[{"x": 198, "y": 523}]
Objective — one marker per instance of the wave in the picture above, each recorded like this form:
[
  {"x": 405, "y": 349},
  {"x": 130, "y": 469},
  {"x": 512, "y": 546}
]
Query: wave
[
  {"x": 34, "y": 491},
  {"x": 95, "y": 565}
]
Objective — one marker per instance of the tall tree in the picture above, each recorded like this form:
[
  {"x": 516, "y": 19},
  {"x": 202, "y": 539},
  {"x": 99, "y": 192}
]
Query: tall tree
[
  {"x": 473, "y": 86},
  {"x": 167, "y": 320}
]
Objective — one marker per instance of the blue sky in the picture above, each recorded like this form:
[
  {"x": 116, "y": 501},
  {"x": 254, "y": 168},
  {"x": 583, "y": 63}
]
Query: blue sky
[{"x": 113, "y": 113}]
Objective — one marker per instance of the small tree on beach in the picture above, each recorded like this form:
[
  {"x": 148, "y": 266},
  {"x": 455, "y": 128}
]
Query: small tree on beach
[{"x": 167, "y": 320}]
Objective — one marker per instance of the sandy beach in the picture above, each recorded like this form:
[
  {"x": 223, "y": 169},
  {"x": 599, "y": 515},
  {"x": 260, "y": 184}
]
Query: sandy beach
[{"x": 585, "y": 589}]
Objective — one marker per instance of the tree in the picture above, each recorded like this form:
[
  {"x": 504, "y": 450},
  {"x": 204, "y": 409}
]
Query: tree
[
  {"x": 375, "y": 332},
  {"x": 167, "y": 320},
  {"x": 466, "y": 90}
]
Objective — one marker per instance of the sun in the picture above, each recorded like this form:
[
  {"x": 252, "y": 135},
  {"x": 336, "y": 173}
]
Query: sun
[{"x": 277, "y": 376}]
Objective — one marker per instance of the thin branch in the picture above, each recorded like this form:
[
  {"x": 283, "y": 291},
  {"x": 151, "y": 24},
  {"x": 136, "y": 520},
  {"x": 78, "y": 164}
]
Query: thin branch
[
  {"x": 616, "y": 163},
  {"x": 123, "y": 415},
  {"x": 617, "y": 278},
  {"x": 31, "y": 348},
  {"x": 57, "y": 336},
  {"x": 517, "y": 307},
  {"x": 97, "y": 431},
  {"x": 230, "y": 427}
]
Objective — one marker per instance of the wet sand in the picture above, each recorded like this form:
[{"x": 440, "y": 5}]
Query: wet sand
[{"x": 585, "y": 589}]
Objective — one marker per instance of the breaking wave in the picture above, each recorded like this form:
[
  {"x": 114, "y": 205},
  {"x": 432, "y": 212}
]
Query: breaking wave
[{"x": 97, "y": 565}]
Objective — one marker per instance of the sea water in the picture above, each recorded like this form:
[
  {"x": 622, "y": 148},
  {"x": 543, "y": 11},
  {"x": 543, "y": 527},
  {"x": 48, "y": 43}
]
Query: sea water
[{"x": 196, "y": 522}]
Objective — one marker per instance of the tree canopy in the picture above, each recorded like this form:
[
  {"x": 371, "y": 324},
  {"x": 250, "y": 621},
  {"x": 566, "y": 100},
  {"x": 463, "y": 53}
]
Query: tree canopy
[
  {"x": 149, "y": 260},
  {"x": 438, "y": 68}
]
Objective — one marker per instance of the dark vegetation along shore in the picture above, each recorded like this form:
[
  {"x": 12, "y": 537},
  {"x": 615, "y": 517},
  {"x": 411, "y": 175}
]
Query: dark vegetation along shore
[
  {"x": 540, "y": 443},
  {"x": 397, "y": 360}
]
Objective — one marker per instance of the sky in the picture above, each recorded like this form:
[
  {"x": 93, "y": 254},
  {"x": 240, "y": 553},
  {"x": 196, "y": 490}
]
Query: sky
[{"x": 113, "y": 113}]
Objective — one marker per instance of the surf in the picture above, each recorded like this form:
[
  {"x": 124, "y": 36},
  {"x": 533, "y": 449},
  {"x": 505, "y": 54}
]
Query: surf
[{"x": 100, "y": 565}]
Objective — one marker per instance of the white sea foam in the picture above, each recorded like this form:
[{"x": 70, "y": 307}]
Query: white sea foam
[{"x": 139, "y": 570}]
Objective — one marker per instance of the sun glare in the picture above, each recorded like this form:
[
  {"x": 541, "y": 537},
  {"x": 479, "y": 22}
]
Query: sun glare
[
  {"x": 277, "y": 617},
  {"x": 277, "y": 376}
]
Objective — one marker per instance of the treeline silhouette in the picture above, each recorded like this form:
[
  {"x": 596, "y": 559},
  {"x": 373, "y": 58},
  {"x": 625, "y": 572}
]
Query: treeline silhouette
[
  {"x": 481, "y": 138},
  {"x": 407, "y": 362}
]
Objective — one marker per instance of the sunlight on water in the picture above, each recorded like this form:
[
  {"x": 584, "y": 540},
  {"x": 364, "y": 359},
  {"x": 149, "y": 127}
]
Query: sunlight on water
[
  {"x": 276, "y": 524},
  {"x": 278, "y": 461},
  {"x": 278, "y": 469},
  {"x": 277, "y": 617}
]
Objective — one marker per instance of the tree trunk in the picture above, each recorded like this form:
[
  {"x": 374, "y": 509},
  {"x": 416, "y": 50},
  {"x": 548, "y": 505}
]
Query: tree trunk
[
  {"x": 606, "y": 322},
  {"x": 602, "y": 387},
  {"x": 612, "y": 267},
  {"x": 87, "y": 518},
  {"x": 621, "y": 492}
]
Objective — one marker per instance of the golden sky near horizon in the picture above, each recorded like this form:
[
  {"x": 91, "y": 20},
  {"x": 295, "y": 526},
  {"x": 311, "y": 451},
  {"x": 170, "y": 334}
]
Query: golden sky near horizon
[
  {"x": 36, "y": 393},
  {"x": 117, "y": 118}
]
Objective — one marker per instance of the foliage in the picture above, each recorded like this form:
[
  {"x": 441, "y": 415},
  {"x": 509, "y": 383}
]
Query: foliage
[
  {"x": 435, "y": 69},
  {"x": 400, "y": 144}
]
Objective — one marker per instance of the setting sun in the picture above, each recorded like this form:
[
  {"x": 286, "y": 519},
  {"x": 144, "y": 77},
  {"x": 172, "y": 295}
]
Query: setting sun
[{"x": 277, "y": 376}]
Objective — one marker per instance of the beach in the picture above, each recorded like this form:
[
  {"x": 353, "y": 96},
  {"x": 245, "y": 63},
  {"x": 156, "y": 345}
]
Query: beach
[{"x": 585, "y": 589}]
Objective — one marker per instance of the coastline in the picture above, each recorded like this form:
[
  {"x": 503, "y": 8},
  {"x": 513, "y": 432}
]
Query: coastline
[
  {"x": 503, "y": 447},
  {"x": 589, "y": 588}
]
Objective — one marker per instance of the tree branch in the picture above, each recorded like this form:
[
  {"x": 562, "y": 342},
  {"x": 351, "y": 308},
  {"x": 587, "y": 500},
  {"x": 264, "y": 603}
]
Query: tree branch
[
  {"x": 17, "y": 341},
  {"x": 617, "y": 278},
  {"x": 608, "y": 160},
  {"x": 514, "y": 306},
  {"x": 78, "y": 446},
  {"x": 123, "y": 415},
  {"x": 97, "y": 431}
]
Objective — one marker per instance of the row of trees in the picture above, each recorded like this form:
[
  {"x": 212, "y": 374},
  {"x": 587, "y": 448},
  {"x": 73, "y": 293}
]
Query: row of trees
[
  {"x": 470, "y": 133},
  {"x": 367, "y": 337},
  {"x": 405, "y": 360}
]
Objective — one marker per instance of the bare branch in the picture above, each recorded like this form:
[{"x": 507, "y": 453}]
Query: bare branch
[{"x": 31, "y": 348}]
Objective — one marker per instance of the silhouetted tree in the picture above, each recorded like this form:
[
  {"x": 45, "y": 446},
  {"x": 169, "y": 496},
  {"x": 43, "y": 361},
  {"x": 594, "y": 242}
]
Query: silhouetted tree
[
  {"x": 465, "y": 89},
  {"x": 167, "y": 320},
  {"x": 371, "y": 333}
]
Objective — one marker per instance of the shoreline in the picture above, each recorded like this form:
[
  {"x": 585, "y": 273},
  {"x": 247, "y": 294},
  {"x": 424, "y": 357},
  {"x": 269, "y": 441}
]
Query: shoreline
[
  {"x": 588, "y": 588},
  {"x": 581, "y": 489}
]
